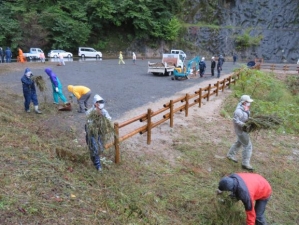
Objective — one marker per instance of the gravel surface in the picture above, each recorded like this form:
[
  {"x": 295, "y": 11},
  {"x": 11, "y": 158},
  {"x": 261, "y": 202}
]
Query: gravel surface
[{"x": 124, "y": 87}]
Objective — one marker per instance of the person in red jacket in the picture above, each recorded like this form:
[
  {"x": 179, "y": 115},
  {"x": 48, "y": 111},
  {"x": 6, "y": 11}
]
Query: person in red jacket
[{"x": 249, "y": 188}]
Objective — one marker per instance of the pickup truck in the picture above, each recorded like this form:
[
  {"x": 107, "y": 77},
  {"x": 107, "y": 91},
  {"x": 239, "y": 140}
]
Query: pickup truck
[
  {"x": 168, "y": 64},
  {"x": 34, "y": 53}
]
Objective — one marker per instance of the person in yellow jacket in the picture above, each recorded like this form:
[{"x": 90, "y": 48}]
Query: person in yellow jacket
[
  {"x": 82, "y": 94},
  {"x": 121, "y": 58}
]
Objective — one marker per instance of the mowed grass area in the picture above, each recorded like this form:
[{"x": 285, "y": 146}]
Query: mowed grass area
[{"x": 40, "y": 187}]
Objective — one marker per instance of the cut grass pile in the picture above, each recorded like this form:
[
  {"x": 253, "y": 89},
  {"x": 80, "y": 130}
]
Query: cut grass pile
[{"x": 40, "y": 187}]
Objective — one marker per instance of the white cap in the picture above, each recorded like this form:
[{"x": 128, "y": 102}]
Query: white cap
[{"x": 245, "y": 98}]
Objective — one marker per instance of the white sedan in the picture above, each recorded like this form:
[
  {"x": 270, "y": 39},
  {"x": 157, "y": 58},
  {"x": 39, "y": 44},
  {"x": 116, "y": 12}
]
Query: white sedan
[{"x": 56, "y": 53}]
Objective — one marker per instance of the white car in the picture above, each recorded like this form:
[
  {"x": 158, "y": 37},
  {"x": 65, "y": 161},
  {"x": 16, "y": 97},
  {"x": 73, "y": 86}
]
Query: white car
[
  {"x": 89, "y": 52},
  {"x": 56, "y": 53}
]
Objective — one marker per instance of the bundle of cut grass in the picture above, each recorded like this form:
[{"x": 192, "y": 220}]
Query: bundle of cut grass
[
  {"x": 40, "y": 82},
  {"x": 99, "y": 125},
  {"x": 262, "y": 122}
]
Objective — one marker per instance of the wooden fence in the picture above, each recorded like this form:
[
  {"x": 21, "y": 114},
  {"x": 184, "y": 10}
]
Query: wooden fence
[{"x": 152, "y": 119}]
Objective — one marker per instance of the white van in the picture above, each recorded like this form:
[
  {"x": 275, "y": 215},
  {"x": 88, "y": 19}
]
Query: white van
[
  {"x": 89, "y": 52},
  {"x": 180, "y": 52}
]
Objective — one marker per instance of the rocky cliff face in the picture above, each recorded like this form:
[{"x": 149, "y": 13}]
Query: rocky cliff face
[{"x": 276, "y": 20}]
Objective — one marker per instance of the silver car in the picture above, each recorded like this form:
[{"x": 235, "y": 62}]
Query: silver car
[{"x": 56, "y": 53}]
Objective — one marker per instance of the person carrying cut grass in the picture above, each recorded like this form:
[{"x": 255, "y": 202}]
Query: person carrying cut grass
[
  {"x": 241, "y": 116},
  {"x": 29, "y": 91},
  {"x": 97, "y": 118}
]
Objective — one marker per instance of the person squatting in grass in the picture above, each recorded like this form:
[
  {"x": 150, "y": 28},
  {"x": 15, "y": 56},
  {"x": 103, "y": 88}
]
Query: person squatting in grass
[
  {"x": 253, "y": 190},
  {"x": 29, "y": 91},
  {"x": 93, "y": 138},
  {"x": 56, "y": 87},
  {"x": 82, "y": 94},
  {"x": 241, "y": 115}
]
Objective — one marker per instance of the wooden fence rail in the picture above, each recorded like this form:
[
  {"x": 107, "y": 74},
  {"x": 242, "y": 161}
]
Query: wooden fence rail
[
  {"x": 152, "y": 119},
  {"x": 285, "y": 68}
]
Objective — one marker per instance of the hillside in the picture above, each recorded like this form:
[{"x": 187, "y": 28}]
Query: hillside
[{"x": 171, "y": 181}]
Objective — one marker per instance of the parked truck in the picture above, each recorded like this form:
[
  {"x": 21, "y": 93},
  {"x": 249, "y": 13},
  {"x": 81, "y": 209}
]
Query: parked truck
[
  {"x": 34, "y": 53},
  {"x": 168, "y": 64}
]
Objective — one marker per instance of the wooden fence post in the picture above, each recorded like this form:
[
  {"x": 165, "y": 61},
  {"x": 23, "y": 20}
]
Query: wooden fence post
[
  {"x": 171, "y": 113},
  {"x": 116, "y": 143},
  {"x": 149, "y": 126},
  {"x": 187, "y": 105},
  {"x": 229, "y": 81},
  {"x": 209, "y": 92},
  {"x": 199, "y": 97},
  {"x": 217, "y": 88},
  {"x": 223, "y": 85}
]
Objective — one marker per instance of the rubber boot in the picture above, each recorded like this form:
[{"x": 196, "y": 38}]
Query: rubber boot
[{"x": 37, "y": 110}]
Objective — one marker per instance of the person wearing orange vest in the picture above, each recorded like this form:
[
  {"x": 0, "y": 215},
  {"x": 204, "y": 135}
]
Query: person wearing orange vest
[
  {"x": 253, "y": 190},
  {"x": 82, "y": 94}
]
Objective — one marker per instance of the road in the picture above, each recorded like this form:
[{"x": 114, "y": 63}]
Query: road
[{"x": 124, "y": 87}]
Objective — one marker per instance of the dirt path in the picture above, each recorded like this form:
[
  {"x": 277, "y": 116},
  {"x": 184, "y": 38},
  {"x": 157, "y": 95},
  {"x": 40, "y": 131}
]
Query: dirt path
[{"x": 163, "y": 136}]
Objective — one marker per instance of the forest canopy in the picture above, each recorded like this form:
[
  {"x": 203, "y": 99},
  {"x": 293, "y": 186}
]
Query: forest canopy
[{"x": 59, "y": 24}]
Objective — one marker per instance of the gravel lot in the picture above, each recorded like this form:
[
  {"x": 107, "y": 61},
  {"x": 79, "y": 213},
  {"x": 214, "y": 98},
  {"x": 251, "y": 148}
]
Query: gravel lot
[{"x": 124, "y": 87}]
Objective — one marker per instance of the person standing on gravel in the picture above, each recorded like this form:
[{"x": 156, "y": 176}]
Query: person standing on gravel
[
  {"x": 56, "y": 87},
  {"x": 121, "y": 58},
  {"x": 219, "y": 65},
  {"x": 29, "y": 91},
  {"x": 93, "y": 137},
  {"x": 82, "y": 94},
  {"x": 213, "y": 65},
  {"x": 241, "y": 115},
  {"x": 134, "y": 58}
]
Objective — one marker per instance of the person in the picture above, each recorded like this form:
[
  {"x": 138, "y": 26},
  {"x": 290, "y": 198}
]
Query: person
[
  {"x": 235, "y": 58},
  {"x": 249, "y": 188},
  {"x": 202, "y": 67},
  {"x": 241, "y": 115},
  {"x": 93, "y": 140},
  {"x": 213, "y": 65},
  {"x": 219, "y": 65},
  {"x": 42, "y": 57},
  {"x": 61, "y": 60},
  {"x": 29, "y": 91},
  {"x": 21, "y": 56},
  {"x": 121, "y": 58},
  {"x": 82, "y": 94},
  {"x": 8, "y": 55},
  {"x": 1, "y": 55},
  {"x": 134, "y": 58},
  {"x": 56, "y": 87}
]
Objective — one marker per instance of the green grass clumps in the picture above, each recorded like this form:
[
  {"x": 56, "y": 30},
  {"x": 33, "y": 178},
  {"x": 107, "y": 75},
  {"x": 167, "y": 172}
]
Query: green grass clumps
[{"x": 272, "y": 96}]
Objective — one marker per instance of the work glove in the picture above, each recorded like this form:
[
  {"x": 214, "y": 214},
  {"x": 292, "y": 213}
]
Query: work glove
[{"x": 56, "y": 89}]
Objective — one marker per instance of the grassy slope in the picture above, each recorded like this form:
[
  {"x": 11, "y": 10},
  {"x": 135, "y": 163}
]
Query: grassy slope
[{"x": 37, "y": 187}]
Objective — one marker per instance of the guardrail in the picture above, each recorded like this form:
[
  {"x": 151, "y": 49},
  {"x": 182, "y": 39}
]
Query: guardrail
[{"x": 152, "y": 119}]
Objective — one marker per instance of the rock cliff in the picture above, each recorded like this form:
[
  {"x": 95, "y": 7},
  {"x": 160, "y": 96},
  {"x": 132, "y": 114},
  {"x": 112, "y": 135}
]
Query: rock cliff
[{"x": 275, "y": 20}]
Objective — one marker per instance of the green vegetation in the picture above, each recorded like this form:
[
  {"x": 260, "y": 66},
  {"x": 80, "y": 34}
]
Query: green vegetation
[
  {"x": 246, "y": 40},
  {"x": 69, "y": 24},
  {"x": 171, "y": 185},
  {"x": 272, "y": 96}
]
